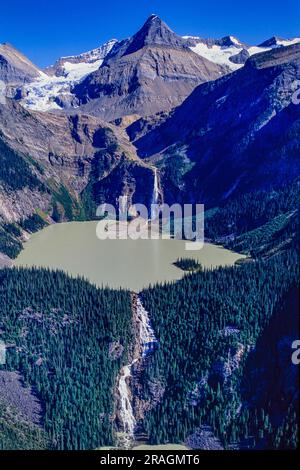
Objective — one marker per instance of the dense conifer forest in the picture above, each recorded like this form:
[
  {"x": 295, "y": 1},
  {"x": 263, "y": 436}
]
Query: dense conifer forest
[
  {"x": 188, "y": 264},
  {"x": 256, "y": 222},
  {"x": 206, "y": 325},
  {"x": 213, "y": 328},
  {"x": 209, "y": 323},
  {"x": 58, "y": 333}
]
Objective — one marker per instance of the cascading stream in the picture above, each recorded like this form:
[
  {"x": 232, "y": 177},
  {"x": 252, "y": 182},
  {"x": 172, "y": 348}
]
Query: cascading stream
[
  {"x": 147, "y": 344},
  {"x": 148, "y": 340},
  {"x": 126, "y": 411},
  {"x": 155, "y": 196}
]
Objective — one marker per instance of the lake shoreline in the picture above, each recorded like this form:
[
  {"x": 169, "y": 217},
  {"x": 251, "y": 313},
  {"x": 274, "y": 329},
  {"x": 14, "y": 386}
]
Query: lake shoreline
[{"x": 134, "y": 265}]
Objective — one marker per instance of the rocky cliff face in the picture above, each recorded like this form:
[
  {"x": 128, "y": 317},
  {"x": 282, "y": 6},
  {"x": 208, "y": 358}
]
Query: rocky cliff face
[
  {"x": 15, "y": 68},
  {"x": 231, "y": 135},
  {"x": 61, "y": 143},
  {"x": 238, "y": 133},
  {"x": 152, "y": 71},
  {"x": 61, "y": 166}
]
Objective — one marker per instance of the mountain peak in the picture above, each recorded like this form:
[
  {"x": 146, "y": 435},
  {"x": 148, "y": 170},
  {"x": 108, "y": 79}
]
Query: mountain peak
[
  {"x": 273, "y": 41},
  {"x": 154, "y": 32},
  {"x": 7, "y": 47},
  {"x": 153, "y": 16},
  {"x": 228, "y": 41},
  {"x": 276, "y": 41}
]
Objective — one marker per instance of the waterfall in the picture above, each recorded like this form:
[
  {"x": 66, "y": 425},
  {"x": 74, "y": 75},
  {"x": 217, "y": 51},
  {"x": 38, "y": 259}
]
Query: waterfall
[
  {"x": 126, "y": 412},
  {"x": 147, "y": 343},
  {"x": 155, "y": 196},
  {"x": 123, "y": 204}
]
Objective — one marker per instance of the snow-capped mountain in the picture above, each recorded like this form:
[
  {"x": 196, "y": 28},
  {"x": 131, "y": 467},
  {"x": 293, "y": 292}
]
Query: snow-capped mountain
[
  {"x": 74, "y": 64},
  {"x": 51, "y": 90},
  {"x": 150, "y": 72},
  {"x": 155, "y": 62},
  {"x": 279, "y": 42},
  {"x": 218, "y": 51},
  {"x": 240, "y": 131},
  {"x": 231, "y": 51}
]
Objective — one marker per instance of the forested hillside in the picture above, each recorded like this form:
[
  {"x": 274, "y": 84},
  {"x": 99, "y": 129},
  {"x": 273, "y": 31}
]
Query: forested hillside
[
  {"x": 16, "y": 433},
  {"x": 215, "y": 328},
  {"x": 153, "y": 118},
  {"x": 206, "y": 325},
  {"x": 257, "y": 223},
  {"x": 15, "y": 172},
  {"x": 59, "y": 333}
]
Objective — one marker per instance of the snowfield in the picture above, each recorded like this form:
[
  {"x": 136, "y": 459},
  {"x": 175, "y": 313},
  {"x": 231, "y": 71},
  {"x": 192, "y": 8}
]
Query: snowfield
[
  {"x": 40, "y": 95},
  {"x": 221, "y": 54},
  {"x": 287, "y": 42},
  {"x": 218, "y": 54},
  {"x": 43, "y": 93}
]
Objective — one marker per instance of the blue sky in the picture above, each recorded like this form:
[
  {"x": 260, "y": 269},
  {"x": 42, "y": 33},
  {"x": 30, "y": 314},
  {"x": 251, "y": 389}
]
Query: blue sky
[{"x": 46, "y": 30}]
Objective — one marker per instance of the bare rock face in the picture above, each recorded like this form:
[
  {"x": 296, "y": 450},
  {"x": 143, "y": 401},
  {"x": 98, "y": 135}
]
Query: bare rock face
[
  {"x": 15, "y": 68},
  {"x": 203, "y": 438},
  {"x": 236, "y": 134},
  {"x": 154, "y": 70},
  {"x": 273, "y": 41},
  {"x": 19, "y": 204},
  {"x": 4, "y": 261},
  {"x": 64, "y": 145},
  {"x": 63, "y": 166},
  {"x": 22, "y": 399},
  {"x": 240, "y": 58}
]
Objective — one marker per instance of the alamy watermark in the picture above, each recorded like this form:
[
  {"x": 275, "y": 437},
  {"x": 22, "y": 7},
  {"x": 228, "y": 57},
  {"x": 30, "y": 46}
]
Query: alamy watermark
[
  {"x": 181, "y": 222},
  {"x": 296, "y": 94},
  {"x": 2, "y": 92},
  {"x": 296, "y": 353}
]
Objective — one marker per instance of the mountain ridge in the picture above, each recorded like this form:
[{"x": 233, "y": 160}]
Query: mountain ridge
[
  {"x": 150, "y": 72},
  {"x": 15, "y": 67},
  {"x": 75, "y": 81},
  {"x": 236, "y": 117}
]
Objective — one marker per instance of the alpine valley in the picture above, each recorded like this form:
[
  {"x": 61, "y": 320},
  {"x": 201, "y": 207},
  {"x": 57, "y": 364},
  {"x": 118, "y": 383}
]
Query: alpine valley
[{"x": 181, "y": 351}]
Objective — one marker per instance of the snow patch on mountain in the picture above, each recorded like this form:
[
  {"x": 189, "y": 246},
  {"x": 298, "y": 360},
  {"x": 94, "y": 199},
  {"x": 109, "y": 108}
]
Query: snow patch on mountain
[
  {"x": 234, "y": 40},
  {"x": 287, "y": 42},
  {"x": 221, "y": 54},
  {"x": 76, "y": 71},
  {"x": 218, "y": 54},
  {"x": 257, "y": 49},
  {"x": 62, "y": 65},
  {"x": 42, "y": 93}
]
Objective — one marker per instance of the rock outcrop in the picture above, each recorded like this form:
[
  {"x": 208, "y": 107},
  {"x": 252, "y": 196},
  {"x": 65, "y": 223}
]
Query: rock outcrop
[
  {"x": 15, "y": 68},
  {"x": 230, "y": 136},
  {"x": 62, "y": 166}
]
